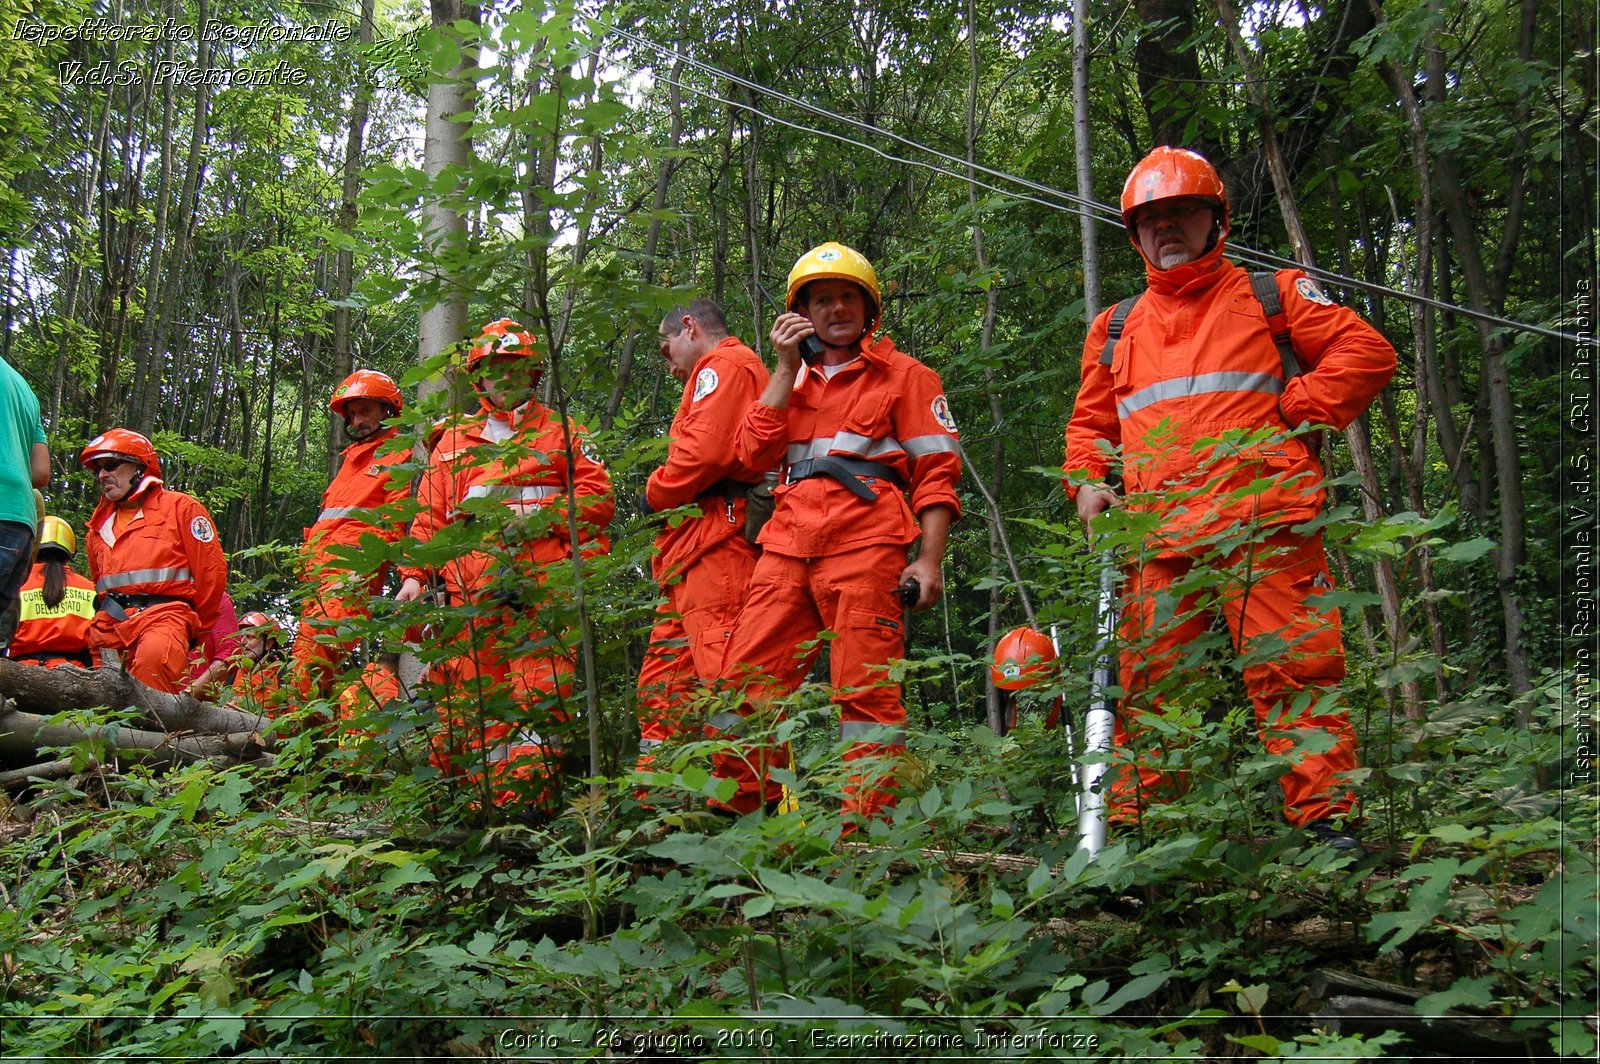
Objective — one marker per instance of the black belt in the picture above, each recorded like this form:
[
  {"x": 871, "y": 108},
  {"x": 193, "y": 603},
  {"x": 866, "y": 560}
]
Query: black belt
[
  {"x": 726, "y": 489},
  {"x": 847, "y": 471},
  {"x": 117, "y": 606}
]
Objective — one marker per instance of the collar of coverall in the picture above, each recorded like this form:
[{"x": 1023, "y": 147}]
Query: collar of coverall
[
  {"x": 383, "y": 433},
  {"x": 726, "y": 341},
  {"x": 1189, "y": 277},
  {"x": 141, "y": 489},
  {"x": 500, "y": 425},
  {"x": 877, "y": 353}
]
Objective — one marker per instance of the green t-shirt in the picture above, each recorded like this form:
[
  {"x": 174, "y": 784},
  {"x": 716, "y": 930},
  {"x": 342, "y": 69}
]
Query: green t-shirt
[{"x": 20, "y": 429}]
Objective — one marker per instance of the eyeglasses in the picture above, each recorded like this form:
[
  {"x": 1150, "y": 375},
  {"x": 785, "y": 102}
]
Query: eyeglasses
[{"x": 108, "y": 465}]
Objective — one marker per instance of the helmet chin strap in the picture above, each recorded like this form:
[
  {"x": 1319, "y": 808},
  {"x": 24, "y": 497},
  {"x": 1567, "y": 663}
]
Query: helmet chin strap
[{"x": 133, "y": 487}]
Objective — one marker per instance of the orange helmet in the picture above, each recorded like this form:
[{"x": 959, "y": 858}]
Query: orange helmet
[
  {"x": 125, "y": 444},
  {"x": 366, "y": 384},
  {"x": 1022, "y": 659},
  {"x": 835, "y": 261},
  {"x": 1171, "y": 173},
  {"x": 503, "y": 337}
]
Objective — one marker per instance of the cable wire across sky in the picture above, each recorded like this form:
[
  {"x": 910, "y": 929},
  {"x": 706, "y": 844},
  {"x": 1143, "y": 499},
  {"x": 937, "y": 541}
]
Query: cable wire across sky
[{"x": 1037, "y": 192}]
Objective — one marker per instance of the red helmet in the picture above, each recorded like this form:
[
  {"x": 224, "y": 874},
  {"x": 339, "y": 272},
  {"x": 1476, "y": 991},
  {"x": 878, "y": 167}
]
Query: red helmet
[
  {"x": 125, "y": 444},
  {"x": 266, "y": 625},
  {"x": 1171, "y": 173},
  {"x": 1022, "y": 659},
  {"x": 367, "y": 384},
  {"x": 503, "y": 337}
]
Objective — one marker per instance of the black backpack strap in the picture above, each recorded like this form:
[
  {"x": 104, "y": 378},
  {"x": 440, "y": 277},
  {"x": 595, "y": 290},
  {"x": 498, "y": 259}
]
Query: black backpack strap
[
  {"x": 1265, "y": 283},
  {"x": 1119, "y": 317}
]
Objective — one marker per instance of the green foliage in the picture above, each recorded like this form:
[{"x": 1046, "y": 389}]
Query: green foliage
[{"x": 350, "y": 900}]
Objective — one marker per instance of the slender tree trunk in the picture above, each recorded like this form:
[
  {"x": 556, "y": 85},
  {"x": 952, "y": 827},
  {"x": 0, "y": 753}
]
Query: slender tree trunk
[
  {"x": 146, "y": 389},
  {"x": 344, "y": 259},
  {"x": 158, "y": 242},
  {"x": 1082, "y": 144},
  {"x": 994, "y": 709},
  {"x": 447, "y": 144},
  {"x": 669, "y": 165},
  {"x": 1356, "y": 435},
  {"x": 1483, "y": 294}
]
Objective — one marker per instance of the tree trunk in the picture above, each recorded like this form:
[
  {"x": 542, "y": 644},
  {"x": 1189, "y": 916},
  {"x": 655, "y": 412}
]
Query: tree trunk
[
  {"x": 1485, "y": 295},
  {"x": 447, "y": 143},
  {"x": 48, "y": 691},
  {"x": 147, "y": 380},
  {"x": 669, "y": 166},
  {"x": 1356, "y": 433},
  {"x": 994, "y": 709},
  {"x": 344, "y": 258},
  {"x": 23, "y": 735},
  {"x": 1081, "y": 146}
]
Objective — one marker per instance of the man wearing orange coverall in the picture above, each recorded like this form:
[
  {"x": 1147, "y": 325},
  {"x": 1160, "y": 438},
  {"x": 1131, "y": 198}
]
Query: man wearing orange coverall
[
  {"x": 704, "y": 563},
  {"x": 353, "y": 506},
  {"x": 1197, "y": 357},
  {"x": 155, "y": 561},
  {"x": 855, "y": 432},
  {"x": 377, "y": 690},
  {"x": 512, "y": 674},
  {"x": 258, "y": 666}
]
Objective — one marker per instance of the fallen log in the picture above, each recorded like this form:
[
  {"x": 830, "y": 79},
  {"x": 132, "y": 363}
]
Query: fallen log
[
  {"x": 49, "y": 770},
  {"x": 23, "y": 734},
  {"x": 1347, "y": 1003},
  {"x": 48, "y": 691}
]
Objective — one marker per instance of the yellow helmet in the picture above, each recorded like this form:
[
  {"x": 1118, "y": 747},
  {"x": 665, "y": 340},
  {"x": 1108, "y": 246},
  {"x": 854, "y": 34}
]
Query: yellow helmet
[
  {"x": 835, "y": 261},
  {"x": 56, "y": 533}
]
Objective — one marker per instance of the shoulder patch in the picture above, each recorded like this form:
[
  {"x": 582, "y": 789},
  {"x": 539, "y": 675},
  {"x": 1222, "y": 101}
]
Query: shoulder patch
[
  {"x": 705, "y": 382},
  {"x": 201, "y": 530},
  {"x": 941, "y": 414},
  {"x": 1308, "y": 290},
  {"x": 587, "y": 449}
]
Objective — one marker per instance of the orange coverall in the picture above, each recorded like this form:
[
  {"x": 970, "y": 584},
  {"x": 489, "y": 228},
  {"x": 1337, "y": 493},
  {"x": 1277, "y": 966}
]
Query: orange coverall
[
  {"x": 374, "y": 689},
  {"x": 54, "y": 635},
  {"x": 704, "y": 564},
  {"x": 1196, "y": 359},
  {"x": 511, "y": 675},
  {"x": 255, "y": 688},
  {"x": 832, "y": 560},
  {"x": 352, "y": 507},
  {"x": 165, "y": 566}
]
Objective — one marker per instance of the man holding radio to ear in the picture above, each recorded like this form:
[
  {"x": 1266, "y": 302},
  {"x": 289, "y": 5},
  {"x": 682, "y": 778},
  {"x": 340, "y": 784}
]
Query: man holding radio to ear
[{"x": 870, "y": 462}]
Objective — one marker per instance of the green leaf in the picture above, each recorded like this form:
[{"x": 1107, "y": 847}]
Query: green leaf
[
  {"x": 1468, "y": 551},
  {"x": 1135, "y": 989},
  {"x": 760, "y": 905},
  {"x": 1472, "y": 993},
  {"x": 1264, "y": 1044}
]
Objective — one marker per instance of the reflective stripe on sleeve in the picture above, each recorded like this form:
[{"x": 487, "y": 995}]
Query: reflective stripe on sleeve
[
  {"x": 934, "y": 443},
  {"x": 1202, "y": 384}
]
